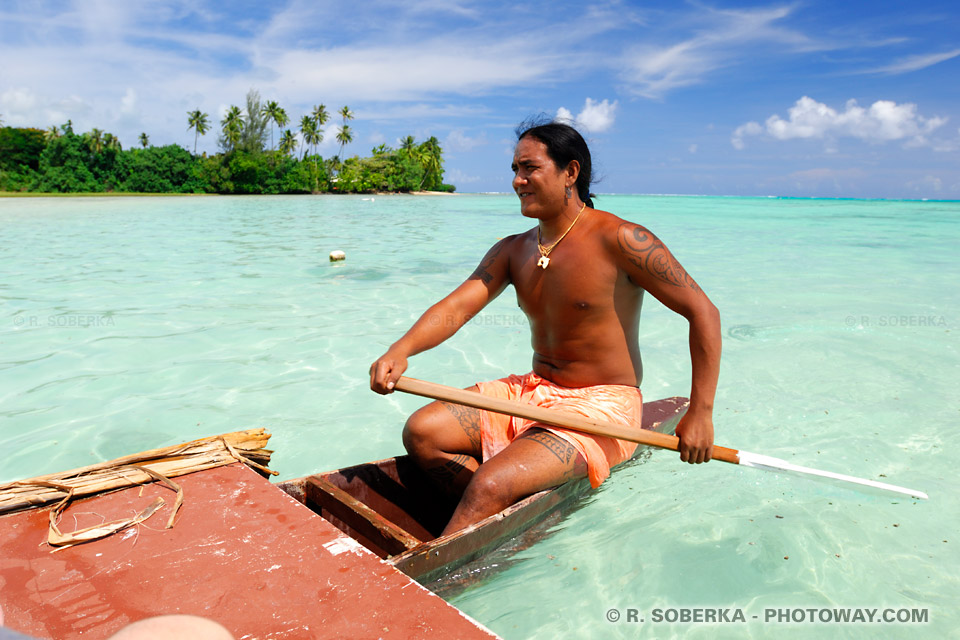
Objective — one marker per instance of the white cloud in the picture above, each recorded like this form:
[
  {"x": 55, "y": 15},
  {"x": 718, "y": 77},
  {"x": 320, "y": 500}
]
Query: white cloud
[
  {"x": 24, "y": 107},
  {"x": 458, "y": 177},
  {"x": 128, "y": 104},
  {"x": 926, "y": 186},
  {"x": 883, "y": 121},
  {"x": 748, "y": 129},
  {"x": 18, "y": 106},
  {"x": 595, "y": 117},
  {"x": 457, "y": 140}
]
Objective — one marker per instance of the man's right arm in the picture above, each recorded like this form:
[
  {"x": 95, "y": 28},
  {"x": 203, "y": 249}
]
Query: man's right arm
[{"x": 445, "y": 318}]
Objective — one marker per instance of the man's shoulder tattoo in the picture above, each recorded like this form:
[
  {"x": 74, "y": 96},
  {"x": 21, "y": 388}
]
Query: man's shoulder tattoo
[{"x": 645, "y": 250}]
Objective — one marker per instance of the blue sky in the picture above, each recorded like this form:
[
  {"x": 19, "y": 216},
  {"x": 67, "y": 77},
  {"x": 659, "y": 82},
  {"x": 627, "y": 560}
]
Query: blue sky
[{"x": 814, "y": 98}]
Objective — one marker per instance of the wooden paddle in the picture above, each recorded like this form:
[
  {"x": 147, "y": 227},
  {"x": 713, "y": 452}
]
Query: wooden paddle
[{"x": 600, "y": 428}]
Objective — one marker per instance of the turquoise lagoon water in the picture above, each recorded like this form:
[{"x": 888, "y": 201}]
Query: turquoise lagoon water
[{"x": 128, "y": 324}]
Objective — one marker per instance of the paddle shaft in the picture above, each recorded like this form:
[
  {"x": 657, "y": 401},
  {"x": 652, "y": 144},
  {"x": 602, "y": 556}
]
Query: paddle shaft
[
  {"x": 642, "y": 436},
  {"x": 552, "y": 417}
]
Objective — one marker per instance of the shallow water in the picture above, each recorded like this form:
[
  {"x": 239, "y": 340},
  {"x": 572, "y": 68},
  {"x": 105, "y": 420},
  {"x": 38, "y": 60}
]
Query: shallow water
[{"x": 128, "y": 324}]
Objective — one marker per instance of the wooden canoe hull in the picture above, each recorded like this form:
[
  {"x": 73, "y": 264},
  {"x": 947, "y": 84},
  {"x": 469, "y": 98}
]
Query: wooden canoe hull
[{"x": 392, "y": 508}]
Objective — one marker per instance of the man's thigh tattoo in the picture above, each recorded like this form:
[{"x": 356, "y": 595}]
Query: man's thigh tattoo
[
  {"x": 447, "y": 472},
  {"x": 563, "y": 450},
  {"x": 469, "y": 419}
]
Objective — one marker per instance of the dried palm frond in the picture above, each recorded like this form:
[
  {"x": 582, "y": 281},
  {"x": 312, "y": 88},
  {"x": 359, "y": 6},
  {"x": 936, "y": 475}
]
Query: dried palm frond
[{"x": 141, "y": 468}]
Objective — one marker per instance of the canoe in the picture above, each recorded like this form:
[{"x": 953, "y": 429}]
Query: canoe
[{"x": 391, "y": 507}]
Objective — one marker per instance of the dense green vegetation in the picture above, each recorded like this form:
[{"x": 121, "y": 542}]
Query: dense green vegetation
[{"x": 59, "y": 160}]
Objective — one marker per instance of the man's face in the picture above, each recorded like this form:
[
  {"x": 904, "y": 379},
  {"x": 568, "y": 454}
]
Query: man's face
[{"x": 536, "y": 179}]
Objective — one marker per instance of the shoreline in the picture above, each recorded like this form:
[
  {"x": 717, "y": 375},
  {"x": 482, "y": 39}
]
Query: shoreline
[{"x": 138, "y": 194}]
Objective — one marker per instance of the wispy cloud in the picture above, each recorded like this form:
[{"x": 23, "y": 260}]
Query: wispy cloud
[
  {"x": 721, "y": 38},
  {"x": 914, "y": 63}
]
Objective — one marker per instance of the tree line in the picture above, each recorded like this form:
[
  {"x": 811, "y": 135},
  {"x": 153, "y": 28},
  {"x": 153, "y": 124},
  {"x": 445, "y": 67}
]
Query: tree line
[{"x": 59, "y": 160}]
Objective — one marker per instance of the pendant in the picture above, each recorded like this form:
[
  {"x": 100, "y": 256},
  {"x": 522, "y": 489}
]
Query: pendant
[{"x": 543, "y": 262}]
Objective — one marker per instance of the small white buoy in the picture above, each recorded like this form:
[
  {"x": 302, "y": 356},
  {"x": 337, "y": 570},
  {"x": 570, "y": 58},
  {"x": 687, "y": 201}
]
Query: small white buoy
[{"x": 337, "y": 255}]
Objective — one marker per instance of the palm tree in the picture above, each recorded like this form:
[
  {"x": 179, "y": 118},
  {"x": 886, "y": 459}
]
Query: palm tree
[
  {"x": 112, "y": 142},
  {"x": 381, "y": 150},
  {"x": 197, "y": 120},
  {"x": 408, "y": 143},
  {"x": 232, "y": 124},
  {"x": 288, "y": 142},
  {"x": 51, "y": 134},
  {"x": 275, "y": 112},
  {"x": 94, "y": 139},
  {"x": 344, "y": 137},
  {"x": 430, "y": 156},
  {"x": 346, "y": 114},
  {"x": 320, "y": 115},
  {"x": 144, "y": 140},
  {"x": 314, "y": 137},
  {"x": 308, "y": 129}
]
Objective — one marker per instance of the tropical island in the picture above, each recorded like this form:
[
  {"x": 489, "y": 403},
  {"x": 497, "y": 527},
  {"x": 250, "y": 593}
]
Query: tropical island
[{"x": 250, "y": 161}]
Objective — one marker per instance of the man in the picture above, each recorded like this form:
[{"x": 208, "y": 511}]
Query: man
[{"x": 579, "y": 276}]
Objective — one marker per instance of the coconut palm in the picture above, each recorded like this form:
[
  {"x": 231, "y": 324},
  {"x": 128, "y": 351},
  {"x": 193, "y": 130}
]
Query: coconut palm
[
  {"x": 94, "y": 140},
  {"x": 112, "y": 142},
  {"x": 144, "y": 140},
  {"x": 430, "y": 156},
  {"x": 197, "y": 120},
  {"x": 232, "y": 124},
  {"x": 309, "y": 132},
  {"x": 408, "y": 143},
  {"x": 346, "y": 114},
  {"x": 273, "y": 111},
  {"x": 51, "y": 134},
  {"x": 288, "y": 142},
  {"x": 313, "y": 137},
  {"x": 344, "y": 137},
  {"x": 320, "y": 115}
]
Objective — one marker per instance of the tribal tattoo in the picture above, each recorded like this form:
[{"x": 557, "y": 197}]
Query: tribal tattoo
[
  {"x": 446, "y": 473},
  {"x": 482, "y": 271},
  {"x": 469, "y": 419},
  {"x": 556, "y": 445},
  {"x": 645, "y": 250}
]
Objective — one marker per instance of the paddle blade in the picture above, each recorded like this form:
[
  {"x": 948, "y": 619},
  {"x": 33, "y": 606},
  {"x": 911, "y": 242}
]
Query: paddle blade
[{"x": 760, "y": 461}]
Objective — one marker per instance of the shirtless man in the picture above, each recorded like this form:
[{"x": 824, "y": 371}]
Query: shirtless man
[{"x": 579, "y": 276}]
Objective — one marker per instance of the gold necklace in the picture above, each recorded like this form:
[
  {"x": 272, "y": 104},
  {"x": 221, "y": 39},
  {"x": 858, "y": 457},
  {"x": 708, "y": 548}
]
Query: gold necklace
[{"x": 544, "y": 260}]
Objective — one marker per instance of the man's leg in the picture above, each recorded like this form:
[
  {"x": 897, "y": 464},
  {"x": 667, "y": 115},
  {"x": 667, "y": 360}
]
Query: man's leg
[
  {"x": 444, "y": 440},
  {"x": 536, "y": 460}
]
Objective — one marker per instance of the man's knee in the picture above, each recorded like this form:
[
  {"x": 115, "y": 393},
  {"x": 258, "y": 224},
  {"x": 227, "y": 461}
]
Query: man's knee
[
  {"x": 418, "y": 432},
  {"x": 491, "y": 487}
]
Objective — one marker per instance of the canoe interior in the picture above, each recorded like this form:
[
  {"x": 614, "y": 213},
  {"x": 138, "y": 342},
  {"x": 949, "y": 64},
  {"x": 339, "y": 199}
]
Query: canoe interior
[
  {"x": 393, "y": 509},
  {"x": 388, "y": 506}
]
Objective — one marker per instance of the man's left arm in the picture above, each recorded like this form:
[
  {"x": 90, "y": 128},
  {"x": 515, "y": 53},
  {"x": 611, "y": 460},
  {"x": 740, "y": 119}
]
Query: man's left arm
[{"x": 651, "y": 266}]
